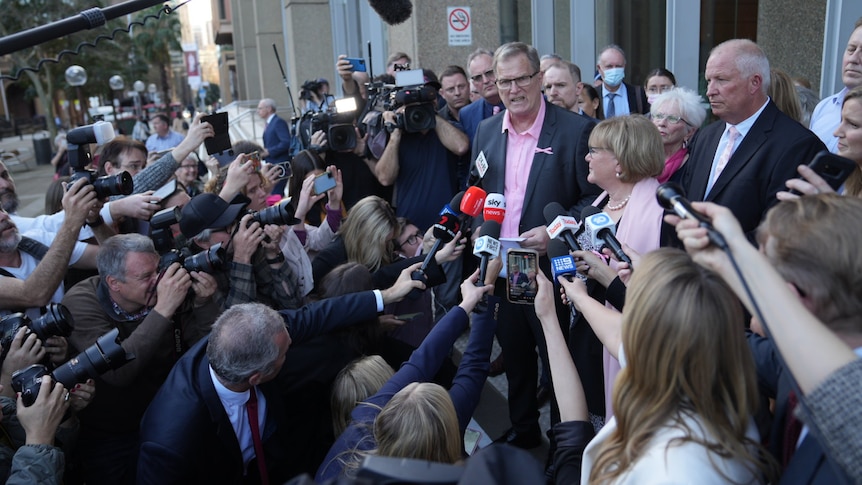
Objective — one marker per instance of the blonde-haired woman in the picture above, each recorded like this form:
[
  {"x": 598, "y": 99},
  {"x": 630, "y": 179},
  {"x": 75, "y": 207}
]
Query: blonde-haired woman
[
  {"x": 412, "y": 418},
  {"x": 367, "y": 237},
  {"x": 685, "y": 399}
]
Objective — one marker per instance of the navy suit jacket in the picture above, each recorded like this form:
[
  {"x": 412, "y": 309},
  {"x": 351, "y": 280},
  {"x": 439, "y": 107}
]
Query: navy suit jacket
[
  {"x": 473, "y": 114},
  {"x": 186, "y": 436},
  {"x": 766, "y": 158},
  {"x": 808, "y": 464},
  {"x": 558, "y": 177},
  {"x": 276, "y": 140}
]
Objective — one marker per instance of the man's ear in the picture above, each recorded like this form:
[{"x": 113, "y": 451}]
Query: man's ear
[
  {"x": 113, "y": 283},
  {"x": 109, "y": 168},
  {"x": 255, "y": 379}
]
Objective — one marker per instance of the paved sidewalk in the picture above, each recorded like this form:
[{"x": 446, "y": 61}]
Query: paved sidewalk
[{"x": 31, "y": 180}]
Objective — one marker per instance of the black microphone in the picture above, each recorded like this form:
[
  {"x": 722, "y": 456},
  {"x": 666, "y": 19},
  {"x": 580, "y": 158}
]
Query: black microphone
[
  {"x": 487, "y": 246},
  {"x": 672, "y": 197},
  {"x": 602, "y": 231},
  {"x": 392, "y": 12},
  {"x": 444, "y": 231},
  {"x": 560, "y": 225}
]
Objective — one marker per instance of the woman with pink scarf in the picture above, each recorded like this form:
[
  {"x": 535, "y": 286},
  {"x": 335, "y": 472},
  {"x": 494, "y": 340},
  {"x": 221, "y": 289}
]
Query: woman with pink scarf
[{"x": 677, "y": 114}]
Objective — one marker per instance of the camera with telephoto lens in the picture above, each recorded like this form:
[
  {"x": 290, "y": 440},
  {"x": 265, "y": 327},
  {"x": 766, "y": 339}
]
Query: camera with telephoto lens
[
  {"x": 56, "y": 322},
  {"x": 78, "y": 149},
  {"x": 209, "y": 261},
  {"x": 420, "y": 110},
  {"x": 337, "y": 123},
  {"x": 279, "y": 214},
  {"x": 104, "y": 355}
]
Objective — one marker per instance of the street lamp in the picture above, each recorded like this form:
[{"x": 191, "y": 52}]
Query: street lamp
[
  {"x": 76, "y": 76},
  {"x": 152, "y": 89},
  {"x": 116, "y": 83},
  {"x": 139, "y": 88}
]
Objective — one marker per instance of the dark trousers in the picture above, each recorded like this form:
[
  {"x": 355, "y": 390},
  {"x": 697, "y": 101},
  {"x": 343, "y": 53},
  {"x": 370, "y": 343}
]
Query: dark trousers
[
  {"x": 520, "y": 335},
  {"x": 108, "y": 458}
]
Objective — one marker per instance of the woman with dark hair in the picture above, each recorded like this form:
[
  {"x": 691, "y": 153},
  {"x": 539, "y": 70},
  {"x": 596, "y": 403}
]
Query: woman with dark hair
[
  {"x": 591, "y": 103},
  {"x": 321, "y": 214},
  {"x": 657, "y": 82}
]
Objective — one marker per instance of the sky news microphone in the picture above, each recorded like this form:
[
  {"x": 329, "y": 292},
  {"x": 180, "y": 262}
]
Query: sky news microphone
[
  {"x": 672, "y": 197},
  {"x": 487, "y": 247},
  {"x": 495, "y": 208},
  {"x": 602, "y": 230},
  {"x": 561, "y": 226}
]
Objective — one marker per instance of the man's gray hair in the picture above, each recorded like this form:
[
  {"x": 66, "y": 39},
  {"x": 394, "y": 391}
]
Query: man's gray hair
[
  {"x": 481, "y": 51},
  {"x": 269, "y": 103},
  {"x": 750, "y": 60},
  {"x": 608, "y": 47},
  {"x": 242, "y": 342},
  {"x": 111, "y": 259},
  {"x": 512, "y": 49}
]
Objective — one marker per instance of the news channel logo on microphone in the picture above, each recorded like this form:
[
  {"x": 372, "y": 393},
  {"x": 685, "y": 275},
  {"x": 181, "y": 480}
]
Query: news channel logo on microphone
[{"x": 601, "y": 219}]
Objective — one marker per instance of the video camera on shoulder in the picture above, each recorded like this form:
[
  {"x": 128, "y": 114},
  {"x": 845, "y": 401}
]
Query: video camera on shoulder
[
  {"x": 416, "y": 91},
  {"x": 337, "y": 123}
]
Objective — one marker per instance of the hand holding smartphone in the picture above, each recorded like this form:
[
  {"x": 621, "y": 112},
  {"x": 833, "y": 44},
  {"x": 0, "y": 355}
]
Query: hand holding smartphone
[
  {"x": 833, "y": 169},
  {"x": 323, "y": 183},
  {"x": 522, "y": 266}
]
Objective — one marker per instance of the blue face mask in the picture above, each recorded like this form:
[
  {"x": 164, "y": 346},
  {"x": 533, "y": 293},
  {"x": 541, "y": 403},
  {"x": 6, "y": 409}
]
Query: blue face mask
[{"x": 613, "y": 77}]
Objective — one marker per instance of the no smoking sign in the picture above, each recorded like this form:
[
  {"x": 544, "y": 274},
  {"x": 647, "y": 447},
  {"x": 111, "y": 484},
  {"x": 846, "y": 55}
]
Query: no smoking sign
[{"x": 460, "y": 26}]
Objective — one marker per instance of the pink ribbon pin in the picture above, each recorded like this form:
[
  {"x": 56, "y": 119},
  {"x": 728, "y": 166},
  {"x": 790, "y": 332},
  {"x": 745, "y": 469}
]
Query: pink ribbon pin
[{"x": 546, "y": 151}]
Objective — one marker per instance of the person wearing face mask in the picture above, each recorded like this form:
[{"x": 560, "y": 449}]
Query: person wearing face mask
[{"x": 618, "y": 98}]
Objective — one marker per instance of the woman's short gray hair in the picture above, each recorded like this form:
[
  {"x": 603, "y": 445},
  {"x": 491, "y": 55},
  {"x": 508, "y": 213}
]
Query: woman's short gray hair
[{"x": 691, "y": 105}]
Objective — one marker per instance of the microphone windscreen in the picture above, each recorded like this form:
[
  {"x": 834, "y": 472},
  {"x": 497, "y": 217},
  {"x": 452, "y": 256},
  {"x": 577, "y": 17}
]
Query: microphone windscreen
[
  {"x": 589, "y": 211},
  {"x": 492, "y": 229},
  {"x": 557, "y": 248},
  {"x": 667, "y": 192},
  {"x": 446, "y": 228},
  {"x": 392, "y": 12},
  {"x": 473, "y": 201},
  {"x": 552, "y": 210}
]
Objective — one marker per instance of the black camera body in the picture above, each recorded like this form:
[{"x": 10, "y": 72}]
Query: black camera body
[
  {"x": 209, "y": 261},
  {"x": 78, "y": 149},
  {"x": 104, "y": 355},
  {"x": 56, "y": 322},
  {"x": 339, "y": 129},
  {"x": 420, "y": 109}
]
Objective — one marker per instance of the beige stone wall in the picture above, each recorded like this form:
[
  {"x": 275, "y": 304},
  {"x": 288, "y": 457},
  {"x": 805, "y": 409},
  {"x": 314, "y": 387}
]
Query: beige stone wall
[
  {"x": 791, "y": 34},
  {"x": 425, "y": 35}
]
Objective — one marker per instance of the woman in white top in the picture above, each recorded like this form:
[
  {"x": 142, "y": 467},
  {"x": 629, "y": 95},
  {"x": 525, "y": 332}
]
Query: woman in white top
[{"x": 684, "y": 400}]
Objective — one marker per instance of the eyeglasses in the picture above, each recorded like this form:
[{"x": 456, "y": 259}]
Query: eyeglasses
[
  {"x": 670, "y": 118},
  {"x": 489, "y": 75},
  {"x": 659, "y": 89},
  {"x": 411, "y": 240},
  {"x": 522, "y": 81},
  {"x": 594, "y": 150}
]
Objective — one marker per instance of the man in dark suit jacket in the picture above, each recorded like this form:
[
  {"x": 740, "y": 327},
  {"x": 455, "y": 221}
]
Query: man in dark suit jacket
[
  {"x": 196, "y": 429},
  {"x": 763, "y": 154},
  {"x": 481, "y": 71},
  {"x": 811, "y": 241},
  {"x": 546, "y": 164},
  {"x": 276, "y": 138},
  {"x": 626, "y": 98}
]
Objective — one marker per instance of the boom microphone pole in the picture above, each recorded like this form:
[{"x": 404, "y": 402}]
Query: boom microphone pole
[
  {"x": 286, "y": 83},
  {"x": 87, "y": 19}
]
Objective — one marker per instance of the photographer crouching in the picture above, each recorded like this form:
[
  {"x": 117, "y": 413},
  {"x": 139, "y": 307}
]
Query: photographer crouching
[{"x": 158, "y": 315}]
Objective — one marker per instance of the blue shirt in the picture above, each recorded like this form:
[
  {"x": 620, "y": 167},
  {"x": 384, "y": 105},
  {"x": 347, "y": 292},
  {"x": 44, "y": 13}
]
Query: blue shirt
[
  {"x": 155, "y": 143},
  {"x": 826, "y": 118}
]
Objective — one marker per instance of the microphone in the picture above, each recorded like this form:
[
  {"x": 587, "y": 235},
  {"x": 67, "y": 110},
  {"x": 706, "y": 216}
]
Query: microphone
[
  {"x": 495, "y": 208},
  {"x": 487, "y": 247},
  {"x": 392, "y": 12},
  {"x": 561, "y": 225},
  {"x": 562, "y": 264},
  {"x": 473, "y": 201},
  {"x": 444, "y": 231},
  {"x": 454, "y": 205},
  {"x": 672, "y": 197},
  {"x": 602, "y": 232}
]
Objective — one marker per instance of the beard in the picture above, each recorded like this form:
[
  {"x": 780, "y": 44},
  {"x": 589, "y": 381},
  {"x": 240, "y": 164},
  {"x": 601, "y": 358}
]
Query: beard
[
  {"x": 9, "y": 243},
  {"x": 9, "y": 201}
]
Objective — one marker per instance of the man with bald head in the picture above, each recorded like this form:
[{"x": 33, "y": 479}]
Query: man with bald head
[{"x": 742, "y": 160}]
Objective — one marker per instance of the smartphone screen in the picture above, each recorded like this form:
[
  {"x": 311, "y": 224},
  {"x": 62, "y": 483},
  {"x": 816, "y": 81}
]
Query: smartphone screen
[
  {"x": 323, "y": 183},
  {"x": 522, "y": 266}
]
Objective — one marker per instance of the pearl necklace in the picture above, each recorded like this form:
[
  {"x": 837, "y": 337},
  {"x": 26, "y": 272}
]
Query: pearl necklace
[{"x": 619, "y": 206}]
